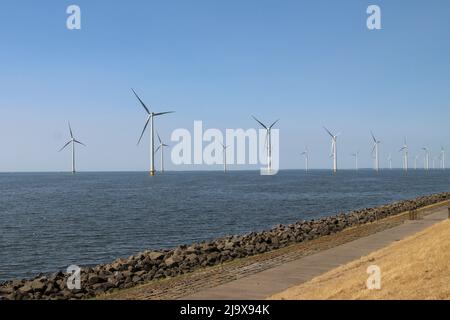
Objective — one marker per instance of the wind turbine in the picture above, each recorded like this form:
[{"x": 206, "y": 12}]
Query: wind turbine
[
  {"x": 427, "y": 158},
  {"x": 405, "y": 155},
  {"x": 415, "y": 161},
  {"x": 333, "y": 148},
  {"x": 224, "y": 148},
  {"x": 390, "y": 161},
  {"x": 375, "y": 149},
  {"x": 443, "y": 158},
  {"x": 150, "y": 117},
  {"x": 306, "y": 155},
  {"x": 356, "y": 154},
  {"x": 161, "y": 147},
  {"x": 72, "y": 141},
  {"x": 268, "y": 142}
]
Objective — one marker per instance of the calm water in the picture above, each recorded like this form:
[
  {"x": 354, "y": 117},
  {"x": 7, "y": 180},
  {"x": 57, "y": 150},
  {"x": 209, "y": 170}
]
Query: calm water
[{"x": 50, "y": 221}]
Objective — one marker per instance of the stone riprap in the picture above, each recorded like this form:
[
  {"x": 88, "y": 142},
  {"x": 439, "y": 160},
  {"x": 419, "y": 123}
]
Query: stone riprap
[{"x": 152, "y": 265}]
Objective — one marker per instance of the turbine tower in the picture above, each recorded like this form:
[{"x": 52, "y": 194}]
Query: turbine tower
[
  {"x": 72, "y": 141},
  {"x": 356, "y": 155},
  {"x": 375, "y": 151},
  {"x": 415, "y": 161},
  {"x": 442, "y": 158},
  {"x": 268, "y": 142},
  {"x": 161, "y": 147},
  {"x": 224, "y": 150},
  {"x": 333, "y": 148},
  {"x": 390, "y": 161},
  {"x": 427, "y": 158},
  {"x": 306, "y": 155},
  {"x": 405, "y": 155},
  {"x": 150, "y": 117}
]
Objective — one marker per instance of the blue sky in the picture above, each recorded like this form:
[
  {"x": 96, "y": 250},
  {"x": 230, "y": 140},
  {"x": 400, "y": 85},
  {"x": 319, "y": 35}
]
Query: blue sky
[{"x": 310, "y": 63}]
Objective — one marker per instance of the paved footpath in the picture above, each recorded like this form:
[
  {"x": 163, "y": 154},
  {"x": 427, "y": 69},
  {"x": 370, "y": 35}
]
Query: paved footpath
[{"x": 271, "y": 281}]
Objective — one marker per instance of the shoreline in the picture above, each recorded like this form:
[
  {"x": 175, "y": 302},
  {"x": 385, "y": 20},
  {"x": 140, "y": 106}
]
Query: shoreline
[{"x": 148, "y": 266}]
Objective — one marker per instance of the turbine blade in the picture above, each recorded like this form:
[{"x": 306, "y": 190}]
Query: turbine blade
[
  {"x": 142, "y": 103},
  {"x": 329, "y": 132},
  {"x": 373, "y": 137},
  {"x": 145, "y": 127},
  {"x": 64, "y": 146},
  {"x": 161, "y": 113},
  {"x": 159, "y": 138},
  {"x": 274, "y": 124},
  {"x": 159, "y": 147},
  {"x": 70, "y": 129},
  {"x": 260, "y": 123},
  {"x": 165, "y": 145},
  {"x": 80, "y": 142}
]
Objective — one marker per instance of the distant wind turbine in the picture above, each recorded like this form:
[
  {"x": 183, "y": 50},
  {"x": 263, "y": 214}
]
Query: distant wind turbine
[
  {"x": 72, "y": 141},
  {"x": 434, "y": 162},
  {"x": 161, "y": 147},
  {"x": 390, "y": 161},
  {"x": 442, "y": 158},
  {"x": 415, "y": 161},
  {"x": 427, "y": 158},
  {"x": 333, "y": 148},
  {"x": 268, "y": 142},
  {"x": 405, "y": 155},
  {"x": 150, "y": 117},
  {"x": 356, "y": 155},
  {"x": 224, "y": 150},
  {"x": 375, "y": 151},
  {"x": 306, "y": 155}
]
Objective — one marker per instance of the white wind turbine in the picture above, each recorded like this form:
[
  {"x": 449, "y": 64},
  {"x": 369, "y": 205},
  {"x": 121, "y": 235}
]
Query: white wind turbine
[
  {"x": 224, "y": 150},
  {"x": 306, "y": 155},
  {"x": 161, "y": 147},
  {"x": 390, "y": 161},
  {"x": 333, "y": 148},
  {"x": 415, "y": 161},
  {"x": 150, "y": 118},
  {"x": 268, "y": 142},
  {"x": 405, "y": 155},
  {"x": 72, "y": 141},
  {"x": 356, "y": 155},
  {"x": 375, "y": 151},
  {"x": 442, "y": 158},
  {"x": 427, "y": 158},
  {"x": 434, "y": 162}
]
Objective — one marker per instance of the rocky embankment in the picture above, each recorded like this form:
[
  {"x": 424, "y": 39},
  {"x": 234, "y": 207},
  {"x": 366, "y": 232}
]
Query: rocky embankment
[{"x": 151, "y": 265}]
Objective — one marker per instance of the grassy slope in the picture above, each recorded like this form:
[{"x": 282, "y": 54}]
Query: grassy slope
[{"x": 417, "y": 267}]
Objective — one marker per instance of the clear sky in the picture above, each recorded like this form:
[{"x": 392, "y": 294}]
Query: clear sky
[{"x": 308, "y": 62}]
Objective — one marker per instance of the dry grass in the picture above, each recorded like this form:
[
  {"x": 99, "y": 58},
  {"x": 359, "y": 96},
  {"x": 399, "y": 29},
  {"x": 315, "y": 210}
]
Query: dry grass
[{"x": 417, "y": 267}]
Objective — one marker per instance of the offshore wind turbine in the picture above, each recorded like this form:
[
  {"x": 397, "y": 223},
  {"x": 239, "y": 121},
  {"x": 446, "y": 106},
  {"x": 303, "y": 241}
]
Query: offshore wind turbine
[
  {"x": 390, "y": 161},
  {"x": 72, "y": 141},
  {"x": 356, "y": 155},
  {"x": 306, "y": 155},
  {"x": 415, "y": 161},
  {"x": 150, "y": 118},
  {"x": 442, "y": 158},
  {"x": 427, "y": 158},
  {"x": 161, "y": 147},
  {"x": 333, "y": 148},
  {"x": 405, "y": 155},
  {"x": 224, "y": 150},
  {"x": 375, "y": 150},
  {"x": 268, "y": 142}
]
